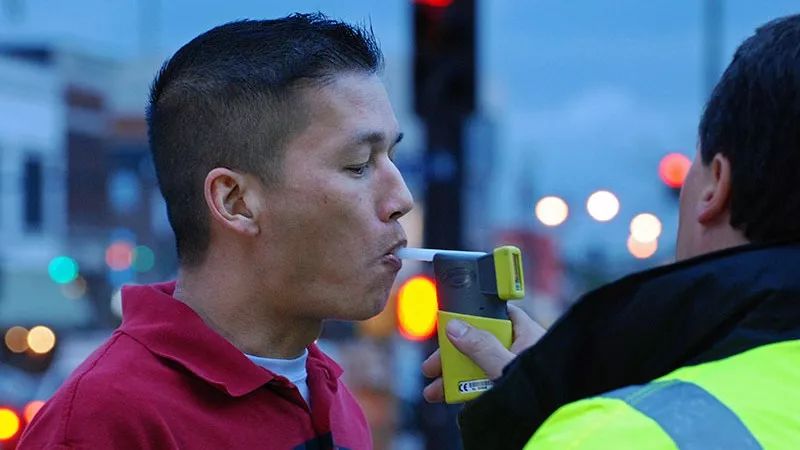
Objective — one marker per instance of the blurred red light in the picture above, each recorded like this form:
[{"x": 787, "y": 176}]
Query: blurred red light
[
  {"x": 119, "y": 255},
  {"x": 673, "y": 169},
  {"x": 435, "y": 3},
  {"x": 31, "y": 409}
]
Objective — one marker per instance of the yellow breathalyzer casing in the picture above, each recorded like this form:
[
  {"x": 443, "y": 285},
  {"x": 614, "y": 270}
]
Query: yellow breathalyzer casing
[{"x": 474, "y": 288}]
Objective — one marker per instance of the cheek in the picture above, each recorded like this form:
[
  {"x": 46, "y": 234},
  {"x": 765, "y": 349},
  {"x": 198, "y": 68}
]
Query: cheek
[
  {"x": 337, "y": 224},
  {"x": 346, "y": 213}
]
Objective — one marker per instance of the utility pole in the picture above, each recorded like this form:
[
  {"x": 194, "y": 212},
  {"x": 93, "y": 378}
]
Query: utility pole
[{"x": 444, "y": 98}]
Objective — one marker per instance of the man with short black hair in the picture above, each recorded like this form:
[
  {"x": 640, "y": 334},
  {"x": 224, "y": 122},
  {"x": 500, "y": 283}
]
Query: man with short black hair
[
  {"x": 701, "y": 354},
  {"x": 273, "y": 142}
]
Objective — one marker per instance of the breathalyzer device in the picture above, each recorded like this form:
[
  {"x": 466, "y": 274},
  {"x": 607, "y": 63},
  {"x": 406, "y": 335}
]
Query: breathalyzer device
[{"x": 472, "y": 287}]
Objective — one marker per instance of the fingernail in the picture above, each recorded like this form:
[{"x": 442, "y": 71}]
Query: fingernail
[{"x": 456, "y": 328}]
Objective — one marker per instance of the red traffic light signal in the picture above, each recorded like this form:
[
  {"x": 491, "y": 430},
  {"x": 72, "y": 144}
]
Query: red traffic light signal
[
  {"x": 434, "y": 3},
  {"x": 673, "y": 169},
  {"x": 444, "y": 57},
  {"x": 417, "y": 308}
]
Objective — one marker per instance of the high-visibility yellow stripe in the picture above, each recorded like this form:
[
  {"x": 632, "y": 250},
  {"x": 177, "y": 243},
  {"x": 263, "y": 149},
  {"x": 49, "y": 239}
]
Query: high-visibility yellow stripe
[
  {"x": 689, "y": 414},
  {"x": 761, "y": 385}
]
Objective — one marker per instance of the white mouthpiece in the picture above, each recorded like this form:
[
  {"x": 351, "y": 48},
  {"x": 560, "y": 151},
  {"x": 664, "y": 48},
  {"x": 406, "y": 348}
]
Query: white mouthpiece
[{"x": 427, "y": 254}]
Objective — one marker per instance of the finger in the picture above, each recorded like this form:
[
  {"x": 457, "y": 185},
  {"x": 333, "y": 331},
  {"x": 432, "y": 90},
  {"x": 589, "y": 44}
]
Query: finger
[
  {"x": 434, "y": 392},
  {"x": 526, "y": 331},
  {"x": 432, "y": 367},
  {"x": 480, "y": 346}
]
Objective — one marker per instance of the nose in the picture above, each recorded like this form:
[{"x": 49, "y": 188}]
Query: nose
[{"x": 398, "y": 200}]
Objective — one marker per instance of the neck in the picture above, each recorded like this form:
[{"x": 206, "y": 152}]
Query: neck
[
  {"x": 245, "y": 317},
  {"x": 721, "y": 238}
]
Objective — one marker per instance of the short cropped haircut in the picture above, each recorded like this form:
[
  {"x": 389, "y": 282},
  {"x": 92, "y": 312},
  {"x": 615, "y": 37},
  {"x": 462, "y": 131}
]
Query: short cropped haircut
[
  {"x": 753, "y": 119},
  {"x": 232, "y": 98}
]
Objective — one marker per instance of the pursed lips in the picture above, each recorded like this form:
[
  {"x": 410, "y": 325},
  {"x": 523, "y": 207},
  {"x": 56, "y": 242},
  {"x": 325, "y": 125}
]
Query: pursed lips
[{"x": 391, "y": 258}]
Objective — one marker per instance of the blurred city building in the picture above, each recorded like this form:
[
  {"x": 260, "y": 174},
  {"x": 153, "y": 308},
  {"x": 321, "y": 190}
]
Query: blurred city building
[{"x": 80, "y": 210}]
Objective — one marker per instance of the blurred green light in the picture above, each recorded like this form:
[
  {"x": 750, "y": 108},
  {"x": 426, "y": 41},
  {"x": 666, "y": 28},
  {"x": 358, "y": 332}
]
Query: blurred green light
[
  {"x": 63, "y": 269},
  {"x": 143, "y": 258}
]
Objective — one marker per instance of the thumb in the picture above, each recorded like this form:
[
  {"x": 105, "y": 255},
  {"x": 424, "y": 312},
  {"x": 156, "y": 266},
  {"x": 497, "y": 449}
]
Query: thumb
[{"x": 480, "y": 346}]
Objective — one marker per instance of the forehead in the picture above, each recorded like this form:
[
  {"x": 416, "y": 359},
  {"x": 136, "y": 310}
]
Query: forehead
[{"x": 355, "y": 102}]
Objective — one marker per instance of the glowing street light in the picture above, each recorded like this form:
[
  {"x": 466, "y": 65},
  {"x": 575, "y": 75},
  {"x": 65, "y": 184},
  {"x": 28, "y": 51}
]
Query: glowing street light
[
  {"x": 602, "y": 206},
  {"x": 41, "y": 339},
  {"x": 645, "y": 227},
  {"x": 17, "y": 339},
  {"x": 552, "y": 211},
  {"x": 642, "y": 250}
]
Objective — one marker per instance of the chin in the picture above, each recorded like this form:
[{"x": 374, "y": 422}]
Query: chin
[
  {"x": 371, "y": 312},
  {"x": 366, "y": 310}
]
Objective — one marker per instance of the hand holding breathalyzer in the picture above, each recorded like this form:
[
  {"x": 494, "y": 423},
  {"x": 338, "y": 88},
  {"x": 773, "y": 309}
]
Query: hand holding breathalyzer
[
  {"x": 482, "y": 348},
  {"x": 472, "y": 288}
]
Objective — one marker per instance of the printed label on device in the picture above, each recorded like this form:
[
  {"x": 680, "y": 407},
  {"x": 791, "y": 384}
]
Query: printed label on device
[{"x": 474, "y": 386}]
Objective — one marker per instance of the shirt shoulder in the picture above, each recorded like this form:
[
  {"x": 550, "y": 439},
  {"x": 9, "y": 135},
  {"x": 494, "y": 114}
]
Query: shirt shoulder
[{"x": 99, "y": 405}]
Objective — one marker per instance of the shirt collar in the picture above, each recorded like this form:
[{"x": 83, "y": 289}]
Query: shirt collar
[{"x": 172, "y": 330}]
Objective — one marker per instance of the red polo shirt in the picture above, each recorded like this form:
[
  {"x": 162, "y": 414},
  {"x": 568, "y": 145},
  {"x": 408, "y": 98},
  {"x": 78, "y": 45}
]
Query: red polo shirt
[{"x": 165, "y": 380}]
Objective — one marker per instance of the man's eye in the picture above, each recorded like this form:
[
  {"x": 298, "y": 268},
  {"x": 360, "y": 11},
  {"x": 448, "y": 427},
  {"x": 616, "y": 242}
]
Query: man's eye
[{"x": 359, "y": 169}]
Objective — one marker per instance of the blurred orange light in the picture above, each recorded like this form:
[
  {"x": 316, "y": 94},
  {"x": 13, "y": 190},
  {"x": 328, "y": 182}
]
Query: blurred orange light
[
  {"x": 75, "y": 290},
  {"x": 31, "y": 409},
  {"x": 119, "y": 255},
  {"x": 673, "y": 169},
  {"x": 417, "y": 306},
  {"x": 642, "y": 250},
  {"x": 646, "y": 227},
  {"x": 17, "y": 339},
  {"x": 9, "y": 424}
]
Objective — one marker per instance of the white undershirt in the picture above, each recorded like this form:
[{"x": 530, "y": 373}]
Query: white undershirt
[{"x": 292, "y": 369}]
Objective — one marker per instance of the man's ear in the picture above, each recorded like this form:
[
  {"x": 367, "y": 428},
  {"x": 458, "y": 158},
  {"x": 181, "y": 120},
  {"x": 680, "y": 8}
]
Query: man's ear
[
  {"x": 716, "y": 193},
  {"x": 232, "y": 199}
]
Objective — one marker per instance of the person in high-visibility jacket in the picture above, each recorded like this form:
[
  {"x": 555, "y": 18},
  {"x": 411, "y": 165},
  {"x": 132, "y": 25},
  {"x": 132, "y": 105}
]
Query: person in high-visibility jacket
[{"x": 700, "y": 354}]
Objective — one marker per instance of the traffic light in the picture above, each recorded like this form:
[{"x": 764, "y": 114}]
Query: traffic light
[
  {"x": 444, "y": 97},
  {"x": 417, "y": 306},
  {"x": 444, "y": 56},
  {"x": 672, "y": 170}
]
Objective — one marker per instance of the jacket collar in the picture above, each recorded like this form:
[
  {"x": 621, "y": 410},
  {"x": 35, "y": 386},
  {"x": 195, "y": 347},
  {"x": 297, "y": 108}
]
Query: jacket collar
[{"x": 172, "y": 330}]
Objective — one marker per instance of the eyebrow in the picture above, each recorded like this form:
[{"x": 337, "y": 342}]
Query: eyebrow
[{"x": 376, "y": 137}]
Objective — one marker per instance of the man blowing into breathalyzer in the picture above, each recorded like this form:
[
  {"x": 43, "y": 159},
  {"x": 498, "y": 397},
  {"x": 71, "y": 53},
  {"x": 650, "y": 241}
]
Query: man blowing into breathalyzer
[{"x": 273, "y": 142}]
